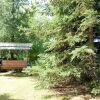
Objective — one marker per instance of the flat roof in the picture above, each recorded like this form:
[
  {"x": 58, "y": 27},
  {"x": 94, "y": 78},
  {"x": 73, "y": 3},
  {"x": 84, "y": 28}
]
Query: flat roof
[{"x": 15, "y": 46}]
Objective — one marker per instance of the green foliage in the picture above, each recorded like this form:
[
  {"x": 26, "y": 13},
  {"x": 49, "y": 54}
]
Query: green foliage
[
  {"x": 70, "y": 55},
  {"x": 70, "y": 52},
  {"x": 96, "y": 90},
  {"x": 17, "y": 19},
  {"x": 68, "y": 38},
  {"x": 94, "y": 87},
  {"x": 79, "y": 53},
  {"x": 32, "y": 70},
  {"x": 45, "y": 70},
  {"x": 70, "y": 73},
  {"x": 62, "y": 35},
  {"x": 10, "y": 16}
]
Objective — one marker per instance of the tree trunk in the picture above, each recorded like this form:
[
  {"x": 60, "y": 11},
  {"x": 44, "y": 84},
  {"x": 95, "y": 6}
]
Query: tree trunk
[{"x": 91, "y": 40}]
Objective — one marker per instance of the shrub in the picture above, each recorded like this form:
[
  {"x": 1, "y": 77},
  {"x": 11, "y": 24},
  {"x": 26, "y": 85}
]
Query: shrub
[{"x": 32, "y": 70}]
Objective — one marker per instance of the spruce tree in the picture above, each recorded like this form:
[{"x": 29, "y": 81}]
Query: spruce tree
[{"x": 72, "y": 41}]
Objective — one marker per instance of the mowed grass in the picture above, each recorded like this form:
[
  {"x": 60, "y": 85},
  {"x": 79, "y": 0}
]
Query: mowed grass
[
  {"x": 15, "y": 87},
  {"x": 18, "y": 86}
]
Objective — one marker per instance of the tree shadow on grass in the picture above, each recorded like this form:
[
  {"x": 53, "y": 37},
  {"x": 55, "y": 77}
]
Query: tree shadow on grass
[
  {"x": 46, "y": 97},
  {"x": 17, "y": 74},
  {"x": 14, "y": 74},
  {"x": 7, "y": 97}
]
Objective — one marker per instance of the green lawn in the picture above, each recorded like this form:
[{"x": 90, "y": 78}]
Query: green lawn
[{"x": 15, "y": 87}]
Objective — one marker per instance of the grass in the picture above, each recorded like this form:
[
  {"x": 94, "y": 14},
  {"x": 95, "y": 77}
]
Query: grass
[
  {"x": 14, "y": 74},
  {"x": 6, "y": 97},
  {"x": 19, "y": 86}
]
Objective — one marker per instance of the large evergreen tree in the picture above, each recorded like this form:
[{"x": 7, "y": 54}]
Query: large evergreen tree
[
  {"x": 74, "y": 39},
  {"x": 71, "y": 52}
]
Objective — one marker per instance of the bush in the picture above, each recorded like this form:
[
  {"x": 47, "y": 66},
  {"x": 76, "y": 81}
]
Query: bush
[
  {"x": 84, "y": 59},
  {"x": 94, "y": 87},
  {"x": 81, "y": 68},
  {"x": 32, "y": 70},
  {"x": 48, "y": 74},
  {"x": 96, "y": 90}
]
